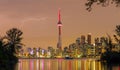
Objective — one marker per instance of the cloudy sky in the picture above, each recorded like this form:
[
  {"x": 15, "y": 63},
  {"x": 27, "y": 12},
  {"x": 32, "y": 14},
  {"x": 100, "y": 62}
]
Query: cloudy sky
[{"x": 38, "y": 20}]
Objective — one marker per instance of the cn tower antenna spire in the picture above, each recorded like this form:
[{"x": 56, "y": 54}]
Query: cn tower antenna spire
[{"x": 59, "y": 15}]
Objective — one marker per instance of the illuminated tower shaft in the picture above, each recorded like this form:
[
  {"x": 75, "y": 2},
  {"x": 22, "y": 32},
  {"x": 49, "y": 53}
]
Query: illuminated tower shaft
[{"x": 59, "y": 24}]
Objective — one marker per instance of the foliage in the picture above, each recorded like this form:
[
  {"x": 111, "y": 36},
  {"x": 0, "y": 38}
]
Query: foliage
[
  {"x": 117, "y": 30},
  {"x": 14, "y": 38},
  {"x": 111, "y": 57},
  {"x": 103, "y": 3},
  {"x": 117, "y": 37},
  {"x": 8, "y": 46}
]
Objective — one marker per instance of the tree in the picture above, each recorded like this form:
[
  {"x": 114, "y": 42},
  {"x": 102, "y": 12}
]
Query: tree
[
  {"x": 117, "y": 30},
  {"x": 103, "y": 3},
  {"x": 14, "y": 37},
  {"x": 1, "y": 48},
  {"x": 117, "y": 37},
  {"x": 9, "y": 45}
]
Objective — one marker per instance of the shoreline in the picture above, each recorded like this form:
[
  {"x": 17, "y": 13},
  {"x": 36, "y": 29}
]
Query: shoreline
[{"x": 63, "y": 58}]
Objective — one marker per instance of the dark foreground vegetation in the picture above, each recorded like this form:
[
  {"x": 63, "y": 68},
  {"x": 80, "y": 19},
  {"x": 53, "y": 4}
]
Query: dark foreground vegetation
[
  {"x": 9, "y": 47},
  {"x": 112, "y": 56},
  {"x": 103, "y": 3}
]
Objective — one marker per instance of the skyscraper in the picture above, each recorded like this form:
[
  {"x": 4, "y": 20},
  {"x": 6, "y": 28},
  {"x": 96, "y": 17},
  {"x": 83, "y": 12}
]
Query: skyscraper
[
  {"x": 82, "y": 39},
  {"x": 78, "y": 41},
  {"x": 96, "y": 41},
  {"x": 59, "y": 24},
  {"x": 89, "y": 38}
]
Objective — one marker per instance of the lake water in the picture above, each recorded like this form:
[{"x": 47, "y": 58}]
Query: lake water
[{"x": 63, "y": 64}]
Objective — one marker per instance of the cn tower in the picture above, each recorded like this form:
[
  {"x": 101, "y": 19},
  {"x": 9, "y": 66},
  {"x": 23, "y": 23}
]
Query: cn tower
[{"x": 59, "y": 24}]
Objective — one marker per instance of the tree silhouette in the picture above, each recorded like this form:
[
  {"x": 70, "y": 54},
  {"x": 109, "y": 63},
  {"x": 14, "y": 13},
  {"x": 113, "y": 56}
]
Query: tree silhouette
[
  {"x": 5, "y": 57},
  {"x": 103, "y": 3},
  {"x": 117, "y": 37},
  {"x": 1, "y": 48},
  {"x": 117, "y": 30},
  {"x": 9, "y": 46},
  {"x": 14, "y": 38}
]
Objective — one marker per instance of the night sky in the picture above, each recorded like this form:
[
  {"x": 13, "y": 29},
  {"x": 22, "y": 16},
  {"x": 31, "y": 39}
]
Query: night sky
[{"x": 38, "y": 20}]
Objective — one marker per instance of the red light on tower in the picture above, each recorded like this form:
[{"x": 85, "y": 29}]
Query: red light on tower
[
  {"x": 59, "y": 24},
  {"x": 59, "y": 19}
]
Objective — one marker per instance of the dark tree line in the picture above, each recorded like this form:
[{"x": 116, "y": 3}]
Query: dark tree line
[
  {"x": 103, "y": 3},
  {"x": 112, "y": 56},
  {"x": 117, "y": 36},
  {"x": 9, "y": 47}
]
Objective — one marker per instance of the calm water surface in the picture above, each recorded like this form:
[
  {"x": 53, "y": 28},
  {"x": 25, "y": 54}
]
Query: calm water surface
[{"x": 62, "y": 64}]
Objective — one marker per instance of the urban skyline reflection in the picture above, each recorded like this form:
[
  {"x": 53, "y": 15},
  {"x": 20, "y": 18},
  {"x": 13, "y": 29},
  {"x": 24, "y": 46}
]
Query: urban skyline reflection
[{"x": 62, "y": 64}]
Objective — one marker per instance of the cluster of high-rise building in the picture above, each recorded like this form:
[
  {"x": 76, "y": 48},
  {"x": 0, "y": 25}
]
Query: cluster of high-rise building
[{"x": 82, "y": 47}]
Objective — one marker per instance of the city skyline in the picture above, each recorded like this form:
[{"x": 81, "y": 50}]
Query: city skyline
[{"x": 38, "y": 20}]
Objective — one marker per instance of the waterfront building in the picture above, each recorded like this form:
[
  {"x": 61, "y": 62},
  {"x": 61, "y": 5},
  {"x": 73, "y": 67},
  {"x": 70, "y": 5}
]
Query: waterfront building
[
  {"x": 78, "y": 41},
  {"x": 96, "y": 41},
  {"x": 51, "y": 52},
  {"x": 82, "y": 39},
  {"x": 58, "y": 53},
  {"x": 37, "y": 52},
  {"x": 89, "y": 38}
]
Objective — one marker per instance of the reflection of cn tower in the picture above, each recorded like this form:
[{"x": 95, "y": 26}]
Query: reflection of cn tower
[{"x": 59, "y": 24}]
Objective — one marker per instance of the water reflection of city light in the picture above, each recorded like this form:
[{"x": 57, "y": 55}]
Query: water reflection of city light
[
  {"x": 59, "y": 64},
  {"x": 42, "y": 64},
  {"x": 76, "y": 65},
  {"x": 84, "y": 64},
  {"x": 70, "y": 66},
  {"x": 37, "y": 64},
  {"x": 20, "y": 65},
  {"x": 49, "y": 64},
  {"x": 88, "y": 65},
  {"x": 79, "y": 65},
  {"x": 99, "y": 65},
  {"x": 93, "y": 65},
  {"x": 31, "y": 64}
]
